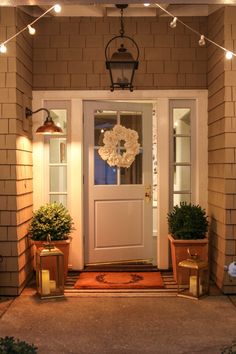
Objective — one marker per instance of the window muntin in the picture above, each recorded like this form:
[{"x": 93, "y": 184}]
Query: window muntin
[
  {"x": 180, "y": 159},
  {"x": 58, "y": 166},
  {"x": 103, "y": 173}
]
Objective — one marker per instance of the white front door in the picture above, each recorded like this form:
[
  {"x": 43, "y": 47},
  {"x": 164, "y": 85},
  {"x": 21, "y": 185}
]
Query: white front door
[{"x": 118, "y": 203}]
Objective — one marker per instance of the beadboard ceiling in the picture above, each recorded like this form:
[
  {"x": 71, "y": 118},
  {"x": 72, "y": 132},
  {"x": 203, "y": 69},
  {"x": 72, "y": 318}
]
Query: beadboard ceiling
[{"x": 100, "y": 8}]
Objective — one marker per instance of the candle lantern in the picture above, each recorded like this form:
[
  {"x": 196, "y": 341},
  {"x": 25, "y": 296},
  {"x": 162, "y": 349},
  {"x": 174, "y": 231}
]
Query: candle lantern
[
  {"x": 50, "y": 272},
  {"x": 193, "y": 278}
]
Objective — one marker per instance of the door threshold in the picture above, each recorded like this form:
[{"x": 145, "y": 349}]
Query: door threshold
[
  {"x": 136, "y": 261},
  {"x": 144, "y": 265}
]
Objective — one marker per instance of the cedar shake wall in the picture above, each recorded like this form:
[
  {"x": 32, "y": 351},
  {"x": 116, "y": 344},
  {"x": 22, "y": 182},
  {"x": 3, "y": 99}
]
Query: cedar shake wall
[
  {"x": 222, "y": 147},
  {"x": 69, "y": 53},
  {"x": 15, "y": 153}
]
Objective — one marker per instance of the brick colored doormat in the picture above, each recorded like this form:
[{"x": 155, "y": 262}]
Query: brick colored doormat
[{"x": 119, "y": 280}]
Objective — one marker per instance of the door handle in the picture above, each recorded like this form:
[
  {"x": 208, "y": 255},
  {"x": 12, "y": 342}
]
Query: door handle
[{"x": 148, "y": 193}]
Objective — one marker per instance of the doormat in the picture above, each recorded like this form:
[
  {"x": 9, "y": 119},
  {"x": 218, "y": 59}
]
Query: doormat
[{"x": 119, "y": 280}]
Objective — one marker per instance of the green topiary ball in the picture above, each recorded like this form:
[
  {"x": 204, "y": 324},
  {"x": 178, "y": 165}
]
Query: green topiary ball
[
  {"x": 188, "y": 222},
  {"x": 51, "y": 219}
]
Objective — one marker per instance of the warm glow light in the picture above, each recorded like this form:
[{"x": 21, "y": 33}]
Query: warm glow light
[
  {"x": 57, "y": 8},
  {"x": 102, "y": 130},
  {"x": 3, "y": 48},
  {"x": 146, "y": 4},
  {"x": 173, "y": 22},
  {"x": 201, "y": 41},
  {"x": 229, "y": 55},
  {"x": 31, "y": 29}
]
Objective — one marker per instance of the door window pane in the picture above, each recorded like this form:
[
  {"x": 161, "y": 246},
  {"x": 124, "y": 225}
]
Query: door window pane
[
  {"x": 181, "y": 164},
  {"x": 178, "y": 198},
  {"x": 133, "y": 120},
  {"x": 58, "y": 159},
  {"x": 59, "y": 198},
  {"x": 103, "y": 173},
  {"x": 60, "y": 118},
  {"x": 133, "y": 174},
  {"x": 182, "y": 149},
  {"x": 57, "y": 150},
  {"x": 103, "y": 120},
  {"x": 58, "y": 178},
  {"x": 182, "y": 178},
  {"x": 181, "y": 121}
]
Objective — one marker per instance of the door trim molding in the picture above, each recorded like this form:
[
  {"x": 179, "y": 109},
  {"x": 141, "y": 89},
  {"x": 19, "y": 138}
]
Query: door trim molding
[{"x": 161, "y": 98}]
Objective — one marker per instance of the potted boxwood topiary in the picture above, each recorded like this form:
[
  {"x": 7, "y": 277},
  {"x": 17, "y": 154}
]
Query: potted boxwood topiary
[
  {"x": 54, "y": 220},
  {"x": 188, "y": 226},
  {"x": 10, "y": 345}
]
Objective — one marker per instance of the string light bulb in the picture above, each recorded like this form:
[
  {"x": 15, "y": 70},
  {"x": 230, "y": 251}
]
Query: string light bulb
[
  {"x": 31, "y": 29},
  {"x": 228, "y": 55},
  {"x": 3, "y": 48},
  {"x": 57, "y": 8},
  {"x": 173, "y": 22},
  {"x": 202, "y": 41}
]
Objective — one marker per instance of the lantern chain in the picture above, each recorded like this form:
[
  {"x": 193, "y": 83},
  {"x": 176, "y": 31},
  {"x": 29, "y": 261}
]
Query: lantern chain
[{"x": 122, "y": 31}]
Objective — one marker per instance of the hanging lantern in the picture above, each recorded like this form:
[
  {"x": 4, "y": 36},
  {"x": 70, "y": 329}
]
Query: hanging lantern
[
  {"x": 193, "y": 278},
  {"x": 50, "y": 271},
  {"x": 121, "y": 64}
]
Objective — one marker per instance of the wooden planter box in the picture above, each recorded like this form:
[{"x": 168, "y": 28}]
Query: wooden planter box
[
  {"x": 63, "y": 246},
  {"x": 179, "y": 251}
]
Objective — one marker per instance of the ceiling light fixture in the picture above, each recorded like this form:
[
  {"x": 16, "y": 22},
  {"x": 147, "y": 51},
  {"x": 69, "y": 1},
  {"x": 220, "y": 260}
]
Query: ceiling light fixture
[
  {"x": 121, "y": 64},
  {"x": 48, "y": 127}
]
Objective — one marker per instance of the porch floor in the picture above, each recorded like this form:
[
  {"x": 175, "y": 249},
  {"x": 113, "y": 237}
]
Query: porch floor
[{"x": 121, "y": 324}]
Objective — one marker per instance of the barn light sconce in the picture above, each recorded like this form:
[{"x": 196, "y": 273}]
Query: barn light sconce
[
  {"x": 48, "y": 127},
  {"x": 121, "y": 64}
]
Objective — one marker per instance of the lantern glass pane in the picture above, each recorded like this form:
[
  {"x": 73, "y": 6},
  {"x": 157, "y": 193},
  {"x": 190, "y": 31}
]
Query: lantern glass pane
[
  {"x": 122, "y": 73},
  {"x": 50, "y": 273}
]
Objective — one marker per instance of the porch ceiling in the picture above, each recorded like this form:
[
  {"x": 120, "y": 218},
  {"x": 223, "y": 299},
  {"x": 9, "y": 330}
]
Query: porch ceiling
[
  {"x": 100, "y": 8},
  {"x": 85, "y": 2}
]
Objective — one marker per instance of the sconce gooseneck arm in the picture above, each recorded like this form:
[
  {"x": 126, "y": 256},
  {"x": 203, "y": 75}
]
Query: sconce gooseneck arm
[
  {"x": 48, "y": 127},
  {"x": 29, "y": 112}
]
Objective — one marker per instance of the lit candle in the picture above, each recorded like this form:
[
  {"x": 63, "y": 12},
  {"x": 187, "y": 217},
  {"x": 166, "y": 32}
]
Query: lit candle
[
  {"x": 45, "y": 282},
  {"x": 193, "y": 285},
  {"x": 52, "y": 285}
]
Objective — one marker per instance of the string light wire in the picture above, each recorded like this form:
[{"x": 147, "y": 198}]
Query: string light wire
[
  {"x": 3, "y": 44},
  {"x": 228, "y": 52}
]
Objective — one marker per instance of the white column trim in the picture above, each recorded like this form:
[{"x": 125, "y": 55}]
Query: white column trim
[
  {"x": 161, "y": 98},
  {"x": 163, "y": 182}
]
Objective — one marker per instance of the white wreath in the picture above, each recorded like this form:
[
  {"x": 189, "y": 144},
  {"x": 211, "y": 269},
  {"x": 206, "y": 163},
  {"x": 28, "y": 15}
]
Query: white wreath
[{"x": 109, "y": 153}]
